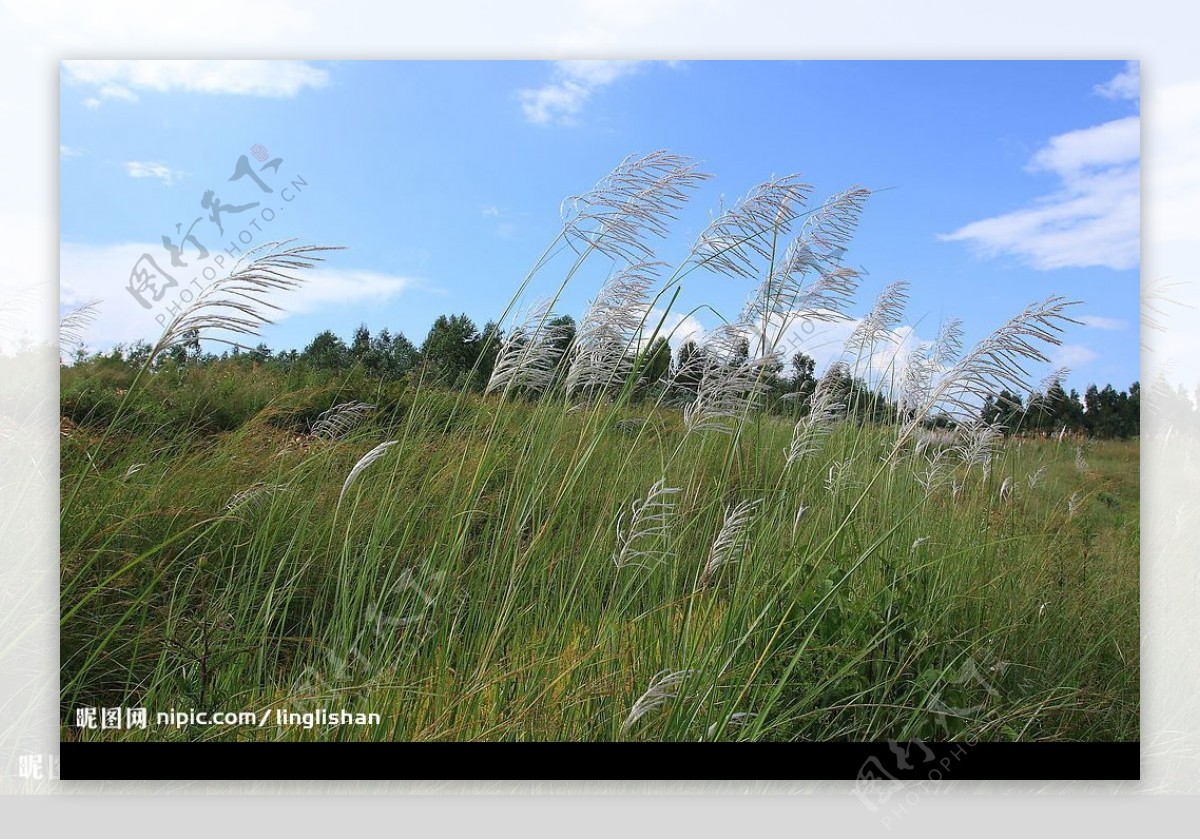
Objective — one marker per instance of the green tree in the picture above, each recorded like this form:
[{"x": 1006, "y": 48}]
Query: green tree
[
  {"x": 138, "y": 352},
  {"x": 1133, "y": 411},
  {"x": 326, "y": 352},
  {"x": 488, "y": 350},
  {"x": 803, "y": 381},
  {"x": 383, "y": 355},
  {"x": 360, "y": 345},
  {"x": 1091, "y": 409},
  {"x": 261, "y": 353},
  {"x": 656, "y": 361},
  {"x": 1074, "y": 417},
  {"x": 1004, "y": 410},
  {"x": 565, "y": 330},
  {"x": 451, "y": 348},
  {"x": 689, "y": 365},
  {"x": 187, "y": 349}
]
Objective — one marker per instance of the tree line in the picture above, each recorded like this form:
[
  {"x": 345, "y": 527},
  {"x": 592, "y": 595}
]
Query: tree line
[
  {"x": 1101, "y": 412},
  {"x": 456, "y": 353}
]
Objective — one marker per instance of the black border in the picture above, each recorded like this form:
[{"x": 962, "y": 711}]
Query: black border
[{"x": 351, "y": 760}]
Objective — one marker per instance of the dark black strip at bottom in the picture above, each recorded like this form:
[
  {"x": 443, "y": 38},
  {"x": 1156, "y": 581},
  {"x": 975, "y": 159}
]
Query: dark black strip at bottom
[{"x": 338, "y": 761}]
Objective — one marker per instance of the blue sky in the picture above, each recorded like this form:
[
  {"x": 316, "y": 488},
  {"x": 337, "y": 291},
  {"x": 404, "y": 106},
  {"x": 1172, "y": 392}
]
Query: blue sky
[{"x": 999, "y": 182}]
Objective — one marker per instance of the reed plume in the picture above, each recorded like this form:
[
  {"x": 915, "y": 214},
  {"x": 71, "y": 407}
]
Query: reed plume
[
  {"x": 731, "y": 539},
  {"x": 663, "y": 687},
  {"x": 530, "y": 353},
  {"x": 364, "y": 462},
  {"x": 739, "y": 238},
  {"x": 639, "y": 541},
  {"x": 810, "y": 430},
  {"x": 337, "y": 422},
  {"x": 602, "y": 354},
  {"x": 926, "y": 362},
  {"x": 881, "y": 321},
  {"x": 998, "y": 362},
  {"x": 731, "y": 382},
  {"x": 632, "y": 203},
  {"x": 236, "y": 303},
  {"x": 73, "y": 325}
]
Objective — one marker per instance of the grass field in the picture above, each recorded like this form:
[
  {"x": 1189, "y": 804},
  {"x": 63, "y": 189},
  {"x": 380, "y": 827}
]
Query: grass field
[
  {"x": 505, "y": 570},
  {"x": 576, "y": 554}
]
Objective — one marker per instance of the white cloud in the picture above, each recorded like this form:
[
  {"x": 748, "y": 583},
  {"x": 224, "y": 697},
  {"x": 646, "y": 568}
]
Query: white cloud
[
  {"x": 143, "y": 169},
  {"x": 561, "y": 100},
  {"x": 1073, "y": 356},
  {"x": 1094, "y": 217},
  {"x": 110, "y": 91},
  {"x": 336, "y": 287},
  {"x": 676, "y": 328},
  {"x": 121, "y": 79},
  {"x": 596, "y": 73},
  {"x": 1125, "y": 85},
  {"x": 1112, "y": 143},
  {"x": 825, "y": 342},
  {"x": 65, "y": 151},
  {"x": 558, "y": 102},
  {"x": 100, "y": 272},
  {"x": 1099, "y": 322},
  {"x": 490, "y": 210}
]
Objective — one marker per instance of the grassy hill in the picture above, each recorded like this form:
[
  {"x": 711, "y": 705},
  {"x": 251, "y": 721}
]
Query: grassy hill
[{"x": 475, "y": 567}]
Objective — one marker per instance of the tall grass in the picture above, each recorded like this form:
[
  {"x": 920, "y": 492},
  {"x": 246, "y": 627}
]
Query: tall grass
[{"x": 596, "y": 564}]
